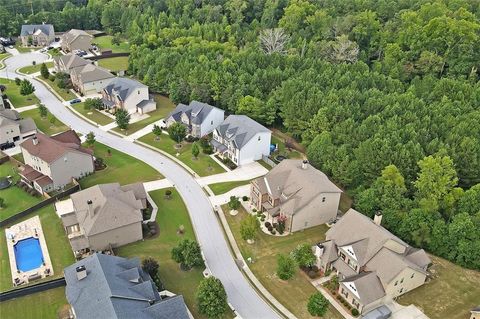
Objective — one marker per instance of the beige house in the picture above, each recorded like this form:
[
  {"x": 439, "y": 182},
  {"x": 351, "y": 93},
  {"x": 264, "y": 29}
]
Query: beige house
[
  {"x": 103, "y": 216},
  {"x": 475, "y": 313},
  {"x": 76, "y": 40},
  {"x": 14, "y": 129},
  {"x": 128, "y": 94},
  {"x": 65, "y": 63},
  {"x": 298, "y": 192},
  {"x": 372, "y": 264},
  {"x": 52, "y": 162},
  {"x": 37, "y": 34},
  {"x": 90, "y": 79}
]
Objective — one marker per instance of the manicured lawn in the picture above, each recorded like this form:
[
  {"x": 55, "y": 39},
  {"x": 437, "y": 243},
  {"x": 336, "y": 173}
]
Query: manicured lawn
[
  {"x": 164, "y": 107},
  {"x": 44, "y": 304},
  {"x": 283, "y": 150},
  {"x": 3, "y": 56},
  {"x": 34, "y": 68},
  {"x": 66, "y": 94},
  {"x": 93, "y": 114},
  {"x": 16, "y": 199},
  {"x": 105, "y": 42},
  {"x": 13, "y": 93},
  {"x": 451, "y": 294},
  {"x": 54, "y": 52},
  {"x": 221, "y": 188},
  {"x": 293, "y": 294},
  {"x": 114, "y": 64},
  {"x": 44, "y": 124},
  {"x": 23, "y": 49},
  {"x": 121, "y": 168},
  {"x": 204, "y": 165},
  {"x": 58, "y": 246}
]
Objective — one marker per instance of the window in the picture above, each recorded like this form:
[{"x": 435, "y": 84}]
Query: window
[
  {"x": 259, "y": 138},
  {"x": 323, "y": 200},
  {"x": 211, "y": 122},
  {"x": 401, "y": 290},
  {"x": 413, "y": 275},
  {"x": 396, "y": 283},
  {"x": 401, "y": 281}
]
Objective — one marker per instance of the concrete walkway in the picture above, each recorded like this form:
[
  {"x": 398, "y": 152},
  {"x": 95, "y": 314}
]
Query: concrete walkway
[
  {"x": 225, "y": 198},
  {"x": 241, "y": 173},
  {"x": 108, "y": 127},
  {"x": 334, "y": 303},
  {"x": 158, "y": 184},
  {"x": 24, "y": 108},
  {"x": 144, "y": 131}
]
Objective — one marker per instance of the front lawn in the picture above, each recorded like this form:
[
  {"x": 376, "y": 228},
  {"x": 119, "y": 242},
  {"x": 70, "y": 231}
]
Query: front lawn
[
  {"x": 121, "y": 168},
  {"x": 451, "y": 294},
  {"x": 293, "y": 293},
  {"x": 16, "y": 199},
  {"x": 58, "y": 246},
  {"x": 34, "y": 68},
  {"x": 93, "y": 114},
  {"x": 46, "y": 304},
  {"x": 114, "y": 64},
  {"x": 23, "y": 49},
  {"x": 66, "y": 94},
  {"x": 44, "y": 124},
  {"x": 221, "y": 188},
  {"x": 13, "y": 93},
  {"x": 204, "y": 165},
  {"x": 105, "y": 42},
  {"x": 2, "y": 57}
]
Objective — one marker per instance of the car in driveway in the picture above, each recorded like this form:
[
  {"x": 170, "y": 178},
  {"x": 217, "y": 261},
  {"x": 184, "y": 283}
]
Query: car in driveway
[{"x": 75, "y": 101}]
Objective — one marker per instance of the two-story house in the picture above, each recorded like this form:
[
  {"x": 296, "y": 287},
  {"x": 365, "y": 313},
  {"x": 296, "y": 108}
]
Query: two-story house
[
  {"x": 241, "y": 140},
  {"x": 76, "y": 40},
  {"x": 373, "y": 265},
  {"x": 65, "y": 63},
  {"x": 90, "y": 79},
  {"x": 128, "y": 94},
  {"x": 52, "y": 162},
  {"x": 199, "y": 118},
  {"x": 37, "y": 34},
  {"x": 298, "y": 192},
  {"x": 14, "y": 129}
]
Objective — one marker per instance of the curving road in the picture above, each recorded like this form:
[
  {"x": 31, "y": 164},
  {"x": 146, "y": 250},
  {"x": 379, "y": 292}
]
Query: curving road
[{"x": 220, "y": 261}]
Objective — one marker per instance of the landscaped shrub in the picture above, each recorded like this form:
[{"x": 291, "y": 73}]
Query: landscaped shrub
[
  {"x": 263, "y": 216},
  {"x": 51, "y": 77},
  {"x": 268, "y": 225},
  {"x": 355, "y": 312},
  {"x": 312, "y": 274},
  {"x": 273, "y": 232},
  {"x": 254, "y": 210},
  {"x": 262, "y": 219},
  {"x": 245, "y": 198}
]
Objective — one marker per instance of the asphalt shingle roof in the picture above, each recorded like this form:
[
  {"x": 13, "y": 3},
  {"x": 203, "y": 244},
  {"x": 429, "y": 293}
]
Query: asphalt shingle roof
[
  {"x": 196, "y": 111},
  {"x": 30, "y": 29},
  {"x": 123, "y": 87},
  {"x": 240, "y": 129}
]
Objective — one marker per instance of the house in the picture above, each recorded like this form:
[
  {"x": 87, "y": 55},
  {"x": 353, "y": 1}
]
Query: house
[
  {"x": 103, "y": 216},
  {"x": 76, "y": 40},
  {"x": 105, "y": 286},
  {"x": 14, "y": 129},
  {"x": 65, "y": 63},
  {"x": 372, "y": 264},
  {"x": 300, "y": 193},
  {"x": 52, "y": 162},
  {"x": 37, "y": 34},
  {"x": 475, "y": 313},
  {"x": 199, "y": 118},
  {"x": 241, "y": 140},
  {"x": 128, "y": 94},
  {"x": 90, "y": 79}
]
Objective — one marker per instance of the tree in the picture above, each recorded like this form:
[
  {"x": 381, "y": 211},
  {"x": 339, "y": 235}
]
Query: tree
[
  {"x": 53, "y": 120},
  {"x": 90, "y": 139},
  {"x": 95, "y": 103},
  {"x": 211, "y": 297},
  {"x": 341, "y": 50},
  {"x": 150, "y": 265},
  {"x": 188, "y": 254},
  {"x": 44, "y": 71},
  {"x": 256, "y": 109},
  {"x": 234, "y": 203},
  {"x": 26, "y": 87},
  {"x": 2, "y": 202},
  {"x": 249, "y": 227},
  {"x": 274, "y": 40},
  {"x": 177, "y": 132},
  {"x": 303, "y": 255},
  {"x": 157, "y": 131},
  {"x": 317, "y": 305},
  {"x": 285, "y": 267},
  {"x": 42, "y": 109},
  {"x": 195, "y": 150},
  {"x": 122, "y": 118}
]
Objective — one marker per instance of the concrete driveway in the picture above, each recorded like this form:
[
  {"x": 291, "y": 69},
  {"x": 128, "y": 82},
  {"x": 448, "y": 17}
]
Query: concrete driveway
[{"x": 219, "y": 259}]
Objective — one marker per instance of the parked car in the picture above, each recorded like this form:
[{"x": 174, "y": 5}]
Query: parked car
[{"x": 75, "y": 101}]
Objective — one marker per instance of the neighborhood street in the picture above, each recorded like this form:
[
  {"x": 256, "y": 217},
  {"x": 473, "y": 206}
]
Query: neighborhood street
[{"x": 208, "y": 230}]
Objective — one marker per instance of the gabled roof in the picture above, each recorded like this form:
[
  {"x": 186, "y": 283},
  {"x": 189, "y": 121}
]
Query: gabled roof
[
  {"x": 196, "y": 111},
  {"x": 116, "y": 287},
  {"x": 123, "y": 87},
  {"x": 368, "y": 287},
  {"x": 31, "y": 29},
  {"x": 10, "y": 114},
  {"x": 73, "y": 34},
  {"x": 71, "y": 61},
  {"x": 476, "y": 309},
  {"x": 91, "y": 73},
  {"x": 240, "y": 129},
  {"x": 27, "y": 125}
]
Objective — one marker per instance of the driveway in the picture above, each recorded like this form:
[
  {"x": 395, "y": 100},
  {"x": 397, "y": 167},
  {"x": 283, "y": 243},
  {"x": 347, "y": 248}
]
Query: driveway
[{"x": 220, "y": 261}]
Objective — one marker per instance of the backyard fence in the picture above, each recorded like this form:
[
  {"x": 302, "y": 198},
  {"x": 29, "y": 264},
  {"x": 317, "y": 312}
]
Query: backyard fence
[
  {"x": 267, "y": 160},
  {"x": 28, "y": 290},
  {"x": 107, "y": 56}
]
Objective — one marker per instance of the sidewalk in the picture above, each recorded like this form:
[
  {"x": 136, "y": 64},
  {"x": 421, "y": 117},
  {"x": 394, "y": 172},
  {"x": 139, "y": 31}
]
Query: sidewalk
[
  {"x": 242, "y": 173},
  {"x": 24, "y": 108},
  {"x": 144, "y": 131},
  {"x": 158, "y": 184}
]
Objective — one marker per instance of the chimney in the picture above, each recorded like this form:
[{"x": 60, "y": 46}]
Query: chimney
[
  {"x": 90, "y": 208},
  {"x": 377, "y": 219},
  {"x": 319, "y": 250},
  {"x": 81, "y": 272},
  {"x": 35, "y": 140},
  {"x": 304, "y": 164}
]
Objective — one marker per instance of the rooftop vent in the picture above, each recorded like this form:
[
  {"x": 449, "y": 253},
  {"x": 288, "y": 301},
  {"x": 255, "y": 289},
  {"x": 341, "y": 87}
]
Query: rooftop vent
[
  {"x": 377, "y": 219},
  {"x": 81, "y": 272},
  {"x": 304, "y": 164},
  {"x": 35, "y": 140}
]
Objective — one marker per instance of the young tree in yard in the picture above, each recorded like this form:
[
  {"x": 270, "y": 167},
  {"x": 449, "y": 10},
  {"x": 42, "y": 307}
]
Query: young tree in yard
[
  {"x": 195, "y": 150},
  {"x": 211, "y": 297},
  {"x": 285, "y": 267},
  {"x": 90, "y": 139},
  {"x": 303, "y": 255},
  {"x": 95, "y": 104},
  {"x": 122, "y": 118},
  {"x": 188, "y": 254},
  {"x": 53, "y": 120},
  {"x": 42, "y": 109},
  {"x": 44, "y": 71},
  {"x": 2, "y": 202},
  {"x": 157, "y": 131},
  {"x": 234, "y": 203},
  {"x": 26, "y": 87},
  {"x": 317, "y": 305},
  {"x": 249, "y": 227},
  {"x": 177, "y": 132}
]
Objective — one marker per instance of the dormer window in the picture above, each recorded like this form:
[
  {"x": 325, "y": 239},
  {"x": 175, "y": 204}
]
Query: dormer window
[
  {"x": 259, "y": 138},
  {"x": 323, "y": 199}
]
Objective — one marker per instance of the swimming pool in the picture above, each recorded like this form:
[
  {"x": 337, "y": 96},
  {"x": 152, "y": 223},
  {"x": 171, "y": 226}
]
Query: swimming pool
[{"x": 28, "y": 254}]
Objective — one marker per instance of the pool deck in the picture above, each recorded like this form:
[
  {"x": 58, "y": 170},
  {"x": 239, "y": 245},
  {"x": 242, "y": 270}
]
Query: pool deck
[{"x": 27, "y": 229}]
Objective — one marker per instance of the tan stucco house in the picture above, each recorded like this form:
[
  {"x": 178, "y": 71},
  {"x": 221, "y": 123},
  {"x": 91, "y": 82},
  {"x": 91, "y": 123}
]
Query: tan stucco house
[
  {"x": 37, "y": 34},
  {"x": 372, "y": 264},
  {"x": 65, "y": 63},
  {"x": 76, "y": 40},
  {"x": 128, "y": 94},
  {"x": 298, "y": 192},
  {"x": 52, "y": 162},
  {"x": 90, "y": 79}
]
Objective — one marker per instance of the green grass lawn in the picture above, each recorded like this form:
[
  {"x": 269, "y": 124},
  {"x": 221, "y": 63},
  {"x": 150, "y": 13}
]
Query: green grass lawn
[
  {"x": 44, "y": 124},
  {"x": 34, "y": 68},
  {"x": 105, "y": 42},
  {"x": 46, "y": 304},
  {"x": 293, "y": 294},
  {"x": 451, "y": 294},
  {"x": 164, "y": 107},
  {"x": 93, "y": 114},
  {"x": 66, "y": 94},
  {"x": 54, "y": 52},
  {"x": 114, "y": 64},
  {"x": 23, "y": 49},
  {"x": 283, "y": 150},
  {"x": 16, "y": 199},
  {"x": 13, "y": 93},
  {"x": 3, "y": 56},
  {"x": 221, "y": 188},
  {"x": 121, "y": 168},
  {"x": 58, "y": 246},
  {"x": 204, "y": 165}
]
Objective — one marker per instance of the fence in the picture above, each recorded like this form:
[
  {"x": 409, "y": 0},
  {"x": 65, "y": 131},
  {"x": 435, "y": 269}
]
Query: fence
[
  {"x": 267, "y": 160},
  {"x": 108, "y": 55},
  {"x": 28, "y": 290}
]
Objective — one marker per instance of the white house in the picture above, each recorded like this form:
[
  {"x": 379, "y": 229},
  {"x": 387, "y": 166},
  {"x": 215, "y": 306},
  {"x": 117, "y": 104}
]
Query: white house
[
  {"x": 241, "y": 140},
  {"x": 127, "y": 94}
]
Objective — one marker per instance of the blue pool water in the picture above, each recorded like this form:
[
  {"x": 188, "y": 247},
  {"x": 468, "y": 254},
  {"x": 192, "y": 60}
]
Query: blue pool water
[{"x": 28, "y": 254}]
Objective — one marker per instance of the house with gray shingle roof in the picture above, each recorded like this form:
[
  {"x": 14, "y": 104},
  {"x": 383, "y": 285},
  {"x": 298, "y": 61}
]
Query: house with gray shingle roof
[
  {"x": 90, "y": 79},
  {"x": 199, "y": 118},
  {"x": 37, "y": 34},
  {"x": 65, "y": 63},
  {"x": 475, "y": 313},
  {"x": 241, "y": 140},
  {"x": 298, "y": 192},
  {"x": 128, "y": 94},
  {"x": 105, "y": 286},
  {"x": 372, "y": 264},
  {"x": 76, "y": 40},
  {"x": 14, "y": 129}
]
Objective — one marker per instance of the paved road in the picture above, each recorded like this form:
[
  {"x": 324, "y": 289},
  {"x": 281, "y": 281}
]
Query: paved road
[{"x": 210, "y": 236}]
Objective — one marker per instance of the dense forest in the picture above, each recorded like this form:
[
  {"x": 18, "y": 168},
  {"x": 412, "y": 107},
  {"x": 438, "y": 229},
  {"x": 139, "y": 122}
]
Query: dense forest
[{"x": 385, "y": 94}]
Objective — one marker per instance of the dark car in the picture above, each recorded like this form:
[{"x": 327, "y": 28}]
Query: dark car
[{"x": 75, "y": 101}]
